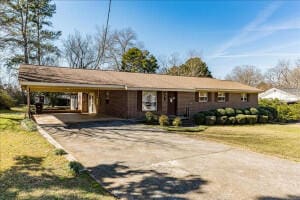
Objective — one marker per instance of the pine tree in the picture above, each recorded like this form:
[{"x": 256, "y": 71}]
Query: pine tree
[{"x": 23, "y": 25}]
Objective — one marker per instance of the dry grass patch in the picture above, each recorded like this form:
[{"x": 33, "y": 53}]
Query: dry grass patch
[
  {"x": 279, "y": 140},
  {"x": 30, "y": 169}
]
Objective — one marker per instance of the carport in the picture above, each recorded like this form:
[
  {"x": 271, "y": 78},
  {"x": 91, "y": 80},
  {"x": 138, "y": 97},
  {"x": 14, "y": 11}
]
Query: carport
[{"x": 88, "y": 95}]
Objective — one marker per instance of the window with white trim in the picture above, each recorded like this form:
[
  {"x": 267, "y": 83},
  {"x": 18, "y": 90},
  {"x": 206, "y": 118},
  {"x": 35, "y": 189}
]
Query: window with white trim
[
  {"x": 203, "y": 96},
  {"x": 244, "y": 97},
  {"x": 221, "y": 97},
  {"x": 149, "y": 101}
]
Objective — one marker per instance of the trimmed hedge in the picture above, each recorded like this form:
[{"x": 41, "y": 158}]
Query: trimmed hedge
[
  {"x": 263, "y": 119},
  {"x": 222, "y": 120},
  {"x": 230, "y": 112},
  {"x": 246, "y": 112},
  {"x": 238, "y": 111},
  {"x": 231, "y": 116},
  {"x": 241, "y": 119},
  {"x": 151, "y": 118},
  {"x": 251, "y": 119},
  {"x": 231, "y": 120},
  {"x": 177, "y": 122},
  {"x": 254, "y": 111},
  {"x": 220, "y": 112},
  {"x": 199, "y": 118},
  {"x": 163, "y": 120},
  {"x": 210, "y": 120}
]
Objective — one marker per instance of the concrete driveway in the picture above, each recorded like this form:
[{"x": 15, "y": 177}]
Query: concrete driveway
[{"x": 138, "y": 162}]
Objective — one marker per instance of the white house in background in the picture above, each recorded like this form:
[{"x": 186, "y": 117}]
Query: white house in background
[{"x": 275, "y": 93}]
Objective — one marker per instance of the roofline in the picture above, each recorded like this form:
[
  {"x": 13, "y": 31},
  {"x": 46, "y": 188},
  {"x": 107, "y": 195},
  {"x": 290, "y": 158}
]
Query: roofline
[
  {"x": 32, "y": 83},
  {"x": 109, "y": 70},
  {"x": 228, "y": 90},
  {"x": 124, "y": 87}
]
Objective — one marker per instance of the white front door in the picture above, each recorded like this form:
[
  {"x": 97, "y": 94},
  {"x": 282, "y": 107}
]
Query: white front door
[{"x": 92, "y": 107}]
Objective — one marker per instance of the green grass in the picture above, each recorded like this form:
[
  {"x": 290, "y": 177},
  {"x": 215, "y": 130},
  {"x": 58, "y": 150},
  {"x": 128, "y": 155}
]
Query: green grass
[
  {"x": 29, "y": 168},
  {"x": 278, "y": 140}
]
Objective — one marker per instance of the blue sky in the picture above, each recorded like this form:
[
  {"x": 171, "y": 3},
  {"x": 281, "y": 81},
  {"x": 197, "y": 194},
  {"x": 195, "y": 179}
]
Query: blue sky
[{"x": 225, "y": 33}]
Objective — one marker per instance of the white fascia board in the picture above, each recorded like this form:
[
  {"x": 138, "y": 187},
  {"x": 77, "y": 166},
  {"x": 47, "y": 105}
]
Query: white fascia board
[
  {"x": 226, "y": 90},
  {"x": 160, "y": 89},
  {"x": 44, "y": 84}
]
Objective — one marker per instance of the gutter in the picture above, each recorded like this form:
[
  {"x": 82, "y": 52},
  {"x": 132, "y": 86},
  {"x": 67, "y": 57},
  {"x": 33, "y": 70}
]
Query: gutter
[{"x": 125, "y": 87}]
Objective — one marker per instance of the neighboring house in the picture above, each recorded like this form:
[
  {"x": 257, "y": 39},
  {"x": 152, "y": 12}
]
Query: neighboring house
[
  {"x": 130, "y": 95},
  {"x": 281, "y": 94}
]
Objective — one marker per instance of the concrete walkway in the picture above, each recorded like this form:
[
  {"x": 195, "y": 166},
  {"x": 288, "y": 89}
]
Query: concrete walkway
[
  {"x": 138, "y": 162},
  {"x": 65, "y": 118}
]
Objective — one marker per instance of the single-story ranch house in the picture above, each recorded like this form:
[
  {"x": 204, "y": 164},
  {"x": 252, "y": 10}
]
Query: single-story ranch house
[{"x": 130, "y": 95}]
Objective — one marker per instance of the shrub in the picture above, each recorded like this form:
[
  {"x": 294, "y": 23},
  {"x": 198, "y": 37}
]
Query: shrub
[
  {"x": 6, "y": 101},
  {"x": 230, "y": 112},
  {"x": 263, "y": 119},
  {"x": 238, "y": 111},
  {"x": 76, "y": 167},
  {"x": 60, "y": 152},
  {"x": 262, "y": 111},
  {"x": 219, "y": 112},
  {"x": 177, "y": 121},
  {"x": 254, "y": 111},
  {"x": 231, "y": 120},
  {"x": 222, "y": 120},
  {"x": 28, "y": 125},
  {"x": 150, "y": 118},
  {"x": 251, "y": 119},
  {"x": 210, "y": 113},
  {"x": 285, "y": 113},
  {"x": 240, "y": 119},
  {"x": 210, "y": 120},
  {"x": 246, "y": 112},
  {"x": 164, "y": 120},
  {"x": 199, "y": 118}
]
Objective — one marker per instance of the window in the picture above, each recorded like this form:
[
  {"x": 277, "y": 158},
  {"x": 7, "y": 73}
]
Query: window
[
  {"x": 149, "y": 101},
  {"x": 107, "y": 97},
  {"x": 244, "y": 97},
  {"x": 221, "y": 97},
  {"x": 203, "y": 97}
]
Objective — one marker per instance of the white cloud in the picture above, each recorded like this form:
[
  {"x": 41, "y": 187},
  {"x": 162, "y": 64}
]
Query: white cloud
[
  {"x": 274, "y": 50},
  {"x": 260, "y": 55},
  {"x": 243, "y": 36}
]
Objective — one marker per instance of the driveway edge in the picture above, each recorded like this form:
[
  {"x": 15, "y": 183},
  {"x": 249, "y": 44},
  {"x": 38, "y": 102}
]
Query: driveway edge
[{"x": 69, "y": 156}]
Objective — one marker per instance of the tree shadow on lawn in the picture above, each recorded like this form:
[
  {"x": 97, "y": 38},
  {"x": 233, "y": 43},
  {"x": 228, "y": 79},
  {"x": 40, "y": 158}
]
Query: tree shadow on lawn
[
  {"x": 289, "y": 197},
  {"x": 129, "y": 183},
  {"x": 22, "y": 178}
]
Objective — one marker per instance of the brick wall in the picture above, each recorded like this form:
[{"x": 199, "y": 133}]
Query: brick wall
[
  {"x": 187, "y": 99},
  {"x": 115, "y": 105},
  {"x": 124, "y": 103}
]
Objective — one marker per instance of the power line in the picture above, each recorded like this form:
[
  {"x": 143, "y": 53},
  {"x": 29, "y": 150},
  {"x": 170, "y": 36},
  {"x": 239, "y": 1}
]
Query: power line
[{"x": 105, "y": 31}]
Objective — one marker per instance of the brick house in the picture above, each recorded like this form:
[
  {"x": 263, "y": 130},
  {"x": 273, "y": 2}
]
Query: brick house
[{"x": 130, "y": 95}]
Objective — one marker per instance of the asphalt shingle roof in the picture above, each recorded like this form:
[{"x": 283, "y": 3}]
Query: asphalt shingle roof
[{"x": 47, "y": 74}]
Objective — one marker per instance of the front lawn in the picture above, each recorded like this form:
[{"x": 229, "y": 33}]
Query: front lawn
[
  {"x": 30, "y": 169},
  {"x": 279, "y": 140}
]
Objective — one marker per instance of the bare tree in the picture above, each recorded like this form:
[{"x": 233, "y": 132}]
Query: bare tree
[
  {"x": 167, "y": 62},
  {"x": 295, "y": 75},
  {"x": 79, "y": 51},
  {"x": 246, "y": 74},
  {"x": 279, "y": 76},
  {"x": 117, "y": 43}
]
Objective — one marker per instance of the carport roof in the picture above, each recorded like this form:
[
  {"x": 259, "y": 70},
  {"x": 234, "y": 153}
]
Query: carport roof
[{"x": 39, "y": 76}]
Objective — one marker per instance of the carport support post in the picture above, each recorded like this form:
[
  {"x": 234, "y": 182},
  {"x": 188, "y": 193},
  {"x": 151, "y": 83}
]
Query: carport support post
[{"x": 28, "y": 102}]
